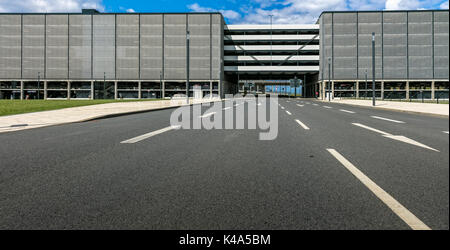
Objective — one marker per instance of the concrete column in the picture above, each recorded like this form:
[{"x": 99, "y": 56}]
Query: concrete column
[
  {"x": 332, "y": 90},
  {"x": 92, "y": 90},
  {"x": 68, "y": 90},
  {"x": 357, "y": 89},
  {"x": 433, "y": 90},
  {"x": 407, "y": 90},
  {"x": 139, "y": 90},
  {"x": 115, "y": 90},
  {"x": 45, "y": 90},
  {"x": 163, "y": 89},
  {"x": 382, "y": 90},
  {"x": 21, "y": 90},
  {"x": 210, "y": 89}
]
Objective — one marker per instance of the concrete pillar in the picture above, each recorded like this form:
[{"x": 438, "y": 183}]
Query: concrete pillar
[
  {"x": 21, "y": 90},
  {"x": 433, "y": 90},
  {"x": 210, "y": 89},
  {"x": 139, "y": 90},
  {"x": 382, "y": 90},
  {"x": 92, "y": 90},
  {"x": 407, "y": 90},
  {"x": 163, "y": 89},
  {"x": 68, "y": 90},
  {"x": 45, "y": 90},
  {"x": 357, "y": 89},
  {"x": 115, "y": 90},
  {"x": 332, "y": 90}
]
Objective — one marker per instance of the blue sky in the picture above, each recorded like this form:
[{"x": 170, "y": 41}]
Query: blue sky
[{"x": 235, "y": 11}]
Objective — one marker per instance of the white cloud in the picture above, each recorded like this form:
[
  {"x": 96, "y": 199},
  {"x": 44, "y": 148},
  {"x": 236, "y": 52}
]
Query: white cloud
[
  {"x": 49, "y": 5},
  {"x": 444, "y": 5},
  {"x": 230, "y": 14},
  {"x": 131, "y": 10}
]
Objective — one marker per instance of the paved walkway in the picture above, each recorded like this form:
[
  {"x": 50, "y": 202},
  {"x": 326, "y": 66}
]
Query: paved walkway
[
  {"x": 80, "y": 114},
  {"x": 425, "y": 108}
]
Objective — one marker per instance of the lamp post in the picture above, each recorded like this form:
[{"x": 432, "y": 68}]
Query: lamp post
[
  {"x": 188, "y": 38},
  {"x": 365, "y": 96},
  {"x": 39, "y": 82},
  {"x": 104, "y": 85},
  {"x": 160, "y": 84},
  {"x": 373, "y": 68},
  {"x": 329, "y": 79}
]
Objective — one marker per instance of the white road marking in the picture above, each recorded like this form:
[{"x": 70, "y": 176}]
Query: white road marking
[
  {"x": 300, "y": 105},
  {"x": 282, "y": 107},
  {"x": 346, "y": 111},
  {"x": 308, "y": 103},
  {"x": 327, "y": 107},
  {"x": 302, "y": 124},
  {"x": 402, "y": 212},
  {"x": 445, "y": 132},
  {"x": 289, "y": 113},
  {"x": 396, "y": 137},
  {"x": 207, "y": 115},
  {"x": 386, "y": 119},
  {"x": 148, "y": 135},
  {"x": 315, "y": 104}
]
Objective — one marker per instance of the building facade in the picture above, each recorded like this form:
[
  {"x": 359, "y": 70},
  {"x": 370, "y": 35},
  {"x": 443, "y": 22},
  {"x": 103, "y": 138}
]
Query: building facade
[
  {"x": 93, "y": 55},
  {"x": 411, "y": 54}
]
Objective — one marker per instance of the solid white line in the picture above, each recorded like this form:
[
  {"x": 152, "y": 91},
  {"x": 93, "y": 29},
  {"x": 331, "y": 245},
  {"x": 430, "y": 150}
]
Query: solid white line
[
  {"x": 302, "y": 124},
  {"x": 386, "y": 119},
  {"x": 289, "y": 113},
  {"x": 148, "y": 135},
  {"x": 347, "y": 111},
  {"x": 207, "y": 115},
  {"x": 396, "y": 137},
  {"x": 369, "y": 128},
  {"x": 445, "y": 132},
  {"x": 402, "y": 212},
  {"x": 300, "y": 105},
  {"x": 327, "y": 107}
]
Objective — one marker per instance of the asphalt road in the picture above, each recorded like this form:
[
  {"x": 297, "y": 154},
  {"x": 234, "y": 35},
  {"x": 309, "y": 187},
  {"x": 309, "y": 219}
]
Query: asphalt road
[{"x": 80, "y": 176}]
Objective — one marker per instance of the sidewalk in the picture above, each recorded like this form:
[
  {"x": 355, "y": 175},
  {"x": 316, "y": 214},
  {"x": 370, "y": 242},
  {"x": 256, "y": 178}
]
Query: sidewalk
[
  {"x": 413, "y": 107},
  {"x": 84, "y": 113}
]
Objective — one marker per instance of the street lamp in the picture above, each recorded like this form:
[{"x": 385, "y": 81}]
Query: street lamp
[
  {"x": 188, "y": 38},
  {"x": 373, "y": 68},
  {"x": 365, "y": 96},
  {"x": 329, "y": 79},
  {"x": 160, "y": 84},
  {"x": 39, "y": 82}
]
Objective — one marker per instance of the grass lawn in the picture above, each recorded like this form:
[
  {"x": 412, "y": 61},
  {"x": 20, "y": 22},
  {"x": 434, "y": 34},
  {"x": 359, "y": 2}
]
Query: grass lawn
[{"x": 12, "y": 107}]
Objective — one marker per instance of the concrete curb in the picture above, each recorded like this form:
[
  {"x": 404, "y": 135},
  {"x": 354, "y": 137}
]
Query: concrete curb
[{"x": 390, "y": 109}]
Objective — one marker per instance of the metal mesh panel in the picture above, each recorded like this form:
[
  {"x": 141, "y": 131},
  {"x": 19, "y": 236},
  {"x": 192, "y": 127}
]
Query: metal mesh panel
[
  {"x": 420, "y": 45},
  {"x": 151, "y": 46},
  {"x": 217, "y": 49},
  {"x": 368, "y": 23},
  {"x": 57, "y": 47},
  {"x": 10, "y": 46},
  {"x": 33, "y": 46},
  {"x": 441, "y": 41},
  {"x": 127, "y": 47},
  {"x": 80, "y": 46},
  {"x": 200, "y": 45},
  {"x": 345, "y": 46},
  {"x": 395, "y": 45},
  {"x": 326, "y": 38},
  {"x": 104, "y": 46},
  {"x": 175, "y": 47}
]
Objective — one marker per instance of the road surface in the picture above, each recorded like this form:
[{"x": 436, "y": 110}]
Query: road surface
[{"x": 332, "y": 166}]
